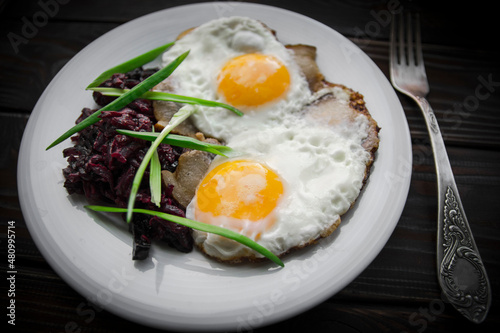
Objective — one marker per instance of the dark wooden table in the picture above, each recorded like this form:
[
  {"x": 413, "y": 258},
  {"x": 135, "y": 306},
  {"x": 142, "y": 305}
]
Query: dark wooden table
[{"x": 399, "y": 290}]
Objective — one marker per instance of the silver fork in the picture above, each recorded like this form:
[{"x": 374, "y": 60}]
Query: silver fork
[{"x": 461, "y": 272}]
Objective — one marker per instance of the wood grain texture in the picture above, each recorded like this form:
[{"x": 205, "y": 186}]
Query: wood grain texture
[{"x": 398, "y": 292}]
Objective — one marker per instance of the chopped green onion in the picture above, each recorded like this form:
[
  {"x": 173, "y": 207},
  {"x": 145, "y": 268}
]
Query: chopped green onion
[
  {"x": 131, "y": 64},
  {"x": 164, "y": 96},
  {"x": 155, "y": 178},
  {"x": 124, "y": 99},
  {"x": 198, "y": 226},
  {"x": 177, "y": 118},
  {"x": 183, "y": 141}
]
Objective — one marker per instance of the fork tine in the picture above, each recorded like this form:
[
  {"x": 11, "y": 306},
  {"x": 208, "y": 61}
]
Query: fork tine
[
  {"x": 420, "y": 57},
  {"x": 410, "y": 60},
  {"x": 401, "y": 41},
  {"x": 392, "y": 54},
  {"x": 397, "y": 51}
]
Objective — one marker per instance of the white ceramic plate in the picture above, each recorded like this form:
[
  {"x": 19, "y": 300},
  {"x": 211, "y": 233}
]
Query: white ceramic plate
[{"x": 187, "y": 291}]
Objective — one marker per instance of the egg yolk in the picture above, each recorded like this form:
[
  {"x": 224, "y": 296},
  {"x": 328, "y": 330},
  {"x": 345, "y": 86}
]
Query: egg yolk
[
  {"x": 252, "y": 80},
  {"x": 243, "y": 190}
]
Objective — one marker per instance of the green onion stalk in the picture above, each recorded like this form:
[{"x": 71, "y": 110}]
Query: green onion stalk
[{"x": 233, "y": 235}]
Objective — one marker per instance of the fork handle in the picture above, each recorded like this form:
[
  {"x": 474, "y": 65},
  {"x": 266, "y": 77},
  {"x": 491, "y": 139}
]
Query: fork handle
[{"x": 461, "y": 271}]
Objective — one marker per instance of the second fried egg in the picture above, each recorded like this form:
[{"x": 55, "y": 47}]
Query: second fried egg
[{"x": 287, "y": 189}]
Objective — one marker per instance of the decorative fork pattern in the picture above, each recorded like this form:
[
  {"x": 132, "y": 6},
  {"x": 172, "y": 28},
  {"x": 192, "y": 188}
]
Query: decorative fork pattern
[{"x": 461, "y": 272}]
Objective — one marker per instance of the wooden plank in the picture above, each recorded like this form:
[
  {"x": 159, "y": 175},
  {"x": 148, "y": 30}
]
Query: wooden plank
[
  {"x": 473, "y": 26},
  {"x": 25, "y": 75},
  {"x": 464, "y": 118}
]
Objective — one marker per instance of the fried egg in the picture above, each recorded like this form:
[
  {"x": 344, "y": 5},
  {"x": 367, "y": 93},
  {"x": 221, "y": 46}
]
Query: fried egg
[
  {"x": 288, "y": 188},
  {"x": 237, "y": 61}
]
